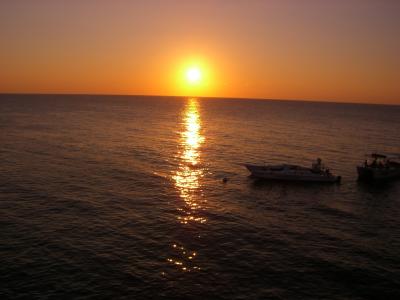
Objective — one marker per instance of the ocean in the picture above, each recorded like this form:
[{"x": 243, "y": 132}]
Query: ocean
[{"x": 121, "y": 197}]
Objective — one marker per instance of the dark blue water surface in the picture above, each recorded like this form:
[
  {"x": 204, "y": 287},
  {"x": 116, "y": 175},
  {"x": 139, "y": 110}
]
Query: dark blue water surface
[{"x": 117, "y": 197}]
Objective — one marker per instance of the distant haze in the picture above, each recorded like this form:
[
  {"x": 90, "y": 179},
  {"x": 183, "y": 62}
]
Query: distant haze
[{"x": 317, "y": 50}]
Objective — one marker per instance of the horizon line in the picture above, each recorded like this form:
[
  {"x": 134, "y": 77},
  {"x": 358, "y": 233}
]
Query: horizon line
[{"x": 201, "y": 97}]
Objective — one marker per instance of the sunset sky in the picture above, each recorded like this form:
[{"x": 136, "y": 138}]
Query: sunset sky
[{"x": 316, "y": 50}]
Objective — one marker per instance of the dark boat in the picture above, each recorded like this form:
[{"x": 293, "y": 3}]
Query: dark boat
[{"x": 379, "y": 167}]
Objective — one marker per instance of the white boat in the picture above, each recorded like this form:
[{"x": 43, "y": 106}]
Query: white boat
[
  {"x": 317, "y": 173},
  {"x": 380, "y": 167}
]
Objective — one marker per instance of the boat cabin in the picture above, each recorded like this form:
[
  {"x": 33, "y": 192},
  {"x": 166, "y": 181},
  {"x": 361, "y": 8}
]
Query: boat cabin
[{"x": 376, "y": 160}]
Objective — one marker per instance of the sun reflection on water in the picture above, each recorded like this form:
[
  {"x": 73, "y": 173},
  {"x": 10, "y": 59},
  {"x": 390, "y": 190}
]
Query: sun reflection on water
[
  {"x": 187, "y": 177},
  {"x": 187, "y": 180}
]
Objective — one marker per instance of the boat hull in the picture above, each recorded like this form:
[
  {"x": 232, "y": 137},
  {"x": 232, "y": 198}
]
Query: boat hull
[
  {"x": 379, "y": 174},
  {"x": 291, "y": 173}
]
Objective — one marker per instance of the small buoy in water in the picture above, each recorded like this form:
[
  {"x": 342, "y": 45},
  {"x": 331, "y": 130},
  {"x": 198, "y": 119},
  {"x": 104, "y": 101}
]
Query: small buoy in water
[{"x": 225, "y": 180}]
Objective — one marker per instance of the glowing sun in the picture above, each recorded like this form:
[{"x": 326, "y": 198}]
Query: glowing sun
[{"x": 193, "y": 75}]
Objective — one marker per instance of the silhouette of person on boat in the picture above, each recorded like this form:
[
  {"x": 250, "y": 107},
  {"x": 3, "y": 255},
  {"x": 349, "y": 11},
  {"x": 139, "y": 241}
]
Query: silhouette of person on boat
[{"x": 317, "y": 166}]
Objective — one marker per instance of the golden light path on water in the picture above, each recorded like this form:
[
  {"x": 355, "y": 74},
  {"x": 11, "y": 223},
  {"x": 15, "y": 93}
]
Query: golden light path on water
[{"x": 187, "y": 180}]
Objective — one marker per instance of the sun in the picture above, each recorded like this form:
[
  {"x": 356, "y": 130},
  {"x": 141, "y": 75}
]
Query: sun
[{"x": 193, "y": 75}]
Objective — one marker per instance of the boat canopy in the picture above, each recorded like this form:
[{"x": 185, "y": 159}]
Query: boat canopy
[{"x": 384, "y": 155}]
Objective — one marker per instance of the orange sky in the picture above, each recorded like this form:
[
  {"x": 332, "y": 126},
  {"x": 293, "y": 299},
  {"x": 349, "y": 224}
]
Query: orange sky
[{"x": 317, "y": 50}]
